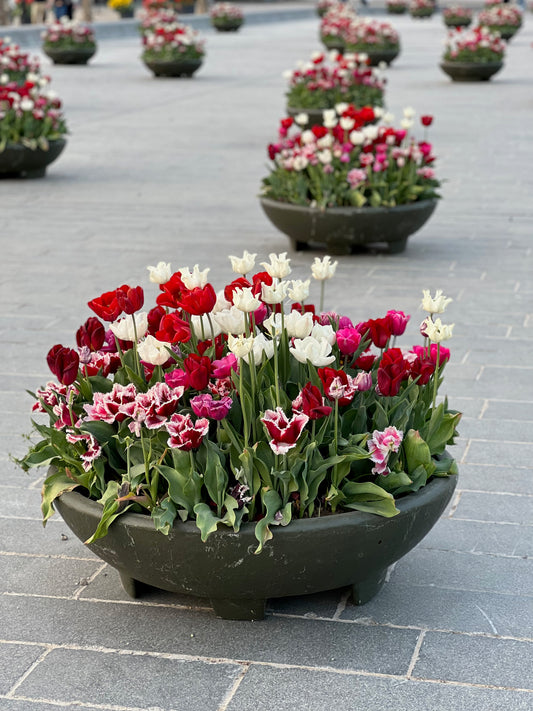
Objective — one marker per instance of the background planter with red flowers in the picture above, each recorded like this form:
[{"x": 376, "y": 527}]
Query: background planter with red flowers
[
  {"x": 69, "y": 42},
  {"x": 474, "y": 55},
  {"x": 422, "y": 9},
  {"x": 457, "y": 16},
  {"x": 226, "y": 17},
  {"x": 172, "y": 49},
  {"x": 397, "y": 7}
]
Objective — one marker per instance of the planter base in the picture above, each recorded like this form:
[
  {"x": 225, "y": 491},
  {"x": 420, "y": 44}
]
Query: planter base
[
  {"x": 352, "y": 549},
  {"x": 70, "y": 56},
  {"x": 471, "y": 71},
  {"x": 18, "y": 161},
  {"x": 185, "y": 68},
  {"x": 347, "y": 229}
]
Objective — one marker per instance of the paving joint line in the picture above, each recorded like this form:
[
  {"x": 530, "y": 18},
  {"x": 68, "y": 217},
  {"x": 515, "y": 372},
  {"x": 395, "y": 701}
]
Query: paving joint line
[{"x": 234, "y": 688}]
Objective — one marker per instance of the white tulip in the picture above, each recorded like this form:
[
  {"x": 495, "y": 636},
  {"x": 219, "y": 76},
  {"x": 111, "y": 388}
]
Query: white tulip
[
  {"x": 437, "y": 331},
  {"x": 274, "y": 294},
  {"x": 300, "y": 290},
  {"x": 325, "y": 142},
  {"x": 300, "y": 163},
  {"x": 279, "y": 266},
  {"x": 317, "y": 352},
  {"x": 261, "y": 346},
  {"x": 194, "y": 279},
  {"x": 298, "y": 325},
  {"x": 202, "y": 328},
  {"x": 243, "y": 265},
  {"x": 371, "y": 132},
  {"x": 436, "y": 304},
  {"x": 273, "y": 324},
  {"x": 347, "y": 123},
  {"x": 124, "y": 328},
  {"x": 231, "y": 320},
  {"x": 409, "y": 112},
  {"x": 240, "y": 346},
  {"x": 341, "y": 108},
  {"x": 325, "y": 332},
  {"x": 153, "y": 351},
  {"x": 325, "y": 156},
  {"x": 323, "y": 268},
  {"x": 357, "y": 138},
  {"x": 161, "y": 273},
  {"x": 245, "y": 300},
  {"x": 308, "y": 137},
  {"x": 388, "y": 117},
  {"x": 329, "y": 115},
  {"x": 302, "y": 119},
  {"x": 406, "y": 124},
  {"x": 26, "y": 104},
  {"x": 221, "y": 304}
]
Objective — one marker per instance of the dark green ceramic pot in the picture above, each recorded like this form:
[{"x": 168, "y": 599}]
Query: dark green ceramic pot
[
  {"x": 470, "y": 71},
  {"x": 307, "y": 556},
  {"x": 76, "y": 55},
  {"x": 17, "y": 160},
  {"x": 227, "y": 25},
  {"x": 457, "y": 21},
  {"x": 175, "y": 68},
  {"x": 340, "y": 229}
]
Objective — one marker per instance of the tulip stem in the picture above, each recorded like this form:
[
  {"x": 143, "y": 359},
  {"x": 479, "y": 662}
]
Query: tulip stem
[
  {"x": 322, "y": 290},
  {"x": 436, "y": 376},
  {"x": 137, "y": 361},
  {"x": 243, "y": 403},
  {"x": 212, "y": 334},
  {"x": 276, "y": 366}
]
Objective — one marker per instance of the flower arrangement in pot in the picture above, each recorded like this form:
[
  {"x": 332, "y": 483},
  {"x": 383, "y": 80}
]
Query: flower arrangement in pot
[
  {"x": 69, "y": 42},
  {"x": 150, "y": 19},
  {"x": 346, "y": 184},
  {"x": 32, "y": 128},
  {"x": 457, "y": 16},
  {"x": 16, "y": 65},
  {"x": 378, "y": 40},
  {"x": 504, "y": 19},
  {"x": 473, "y": 55},
  {"x": 248, "y": 419},
  {"x": 397, "y": 7},
  {"x": 333, "y": 25},
  {"x": 177, "y": 6},
  {"x": 422, "y": 8},
  {"x": 324, "y": 6},
  {"x": 226, "y": 17},
  {"x": 172, "y": 50},
  {"x": 124, "y": 8},
  {"x": 318, "y": 85}
]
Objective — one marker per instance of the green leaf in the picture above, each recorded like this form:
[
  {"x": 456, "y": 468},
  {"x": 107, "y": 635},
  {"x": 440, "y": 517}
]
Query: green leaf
[
  {"x": 393, "y": 481},
  {"x": 164, "y": 515},
  {"x": 417, "y": 453},
  {"x": 183, "y": 489},
  {"x": 369, "y": 497},
  {"x": 206, "y": 520},
  {"x": 112, "y": 510},
  {"x": 55, "y": 485},
  {"x": 440, "y": 429},
  {"x": 272, "y": 502},
  {"x": 103, "y": 431}
]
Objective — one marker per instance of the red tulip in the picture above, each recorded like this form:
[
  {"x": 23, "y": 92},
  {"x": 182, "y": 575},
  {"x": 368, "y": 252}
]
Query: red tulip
[
  {"x": 198, "y": 301},
  {"x": 91, "y": 334},
  {"x": 392, "y": 371},
  {"x": 64, "y": 363},
  {"x": 130, "y": 299},
  {"x": 106, "y": 306}
]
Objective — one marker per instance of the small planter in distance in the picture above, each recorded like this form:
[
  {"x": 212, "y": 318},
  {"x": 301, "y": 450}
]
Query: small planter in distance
[
  {"x": 474, "y": 55},
  {"x": 226, "y": 17},
  {"x": 422, "y": 9},
  {"x": 504, "y": 19},
  {"x": 69, "y": 42},
  {"x": 172, "y": 50},
  {"x": 457, "y": 16}
]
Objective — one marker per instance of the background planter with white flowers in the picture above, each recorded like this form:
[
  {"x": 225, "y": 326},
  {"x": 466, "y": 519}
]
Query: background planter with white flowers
[
  {"x": 226, "y": 17},
  {"x": 504, "y": 19},
  {"x": 473, "y": 55},
  {"x": 172, "y": 50},
  {"x": 422, "y": 9},
  {"x": 69, "y": 42}
]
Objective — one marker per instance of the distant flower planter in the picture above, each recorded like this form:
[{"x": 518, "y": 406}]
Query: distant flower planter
[
  {"x": 471, "y": 71},
  {"x": 505, "y": 32},
  {"x": 227, "y": 25},
  {"x": 226, "y": 17},
  {"x": 422, "y": 9},
  {"x": 457, "y": 21},
  {"x": 343, "y": 228},
  {"x": 238, "y": 583},
  {"x": 396, "y": 7},
  {"x": 173, "y": 68},
  {"x": 17, "y": 160},
  {"x": 75, "y": 55}
]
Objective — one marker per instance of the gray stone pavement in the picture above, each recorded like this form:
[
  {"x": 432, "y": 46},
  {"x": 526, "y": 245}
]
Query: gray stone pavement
[{"x": 170, "y": 170}]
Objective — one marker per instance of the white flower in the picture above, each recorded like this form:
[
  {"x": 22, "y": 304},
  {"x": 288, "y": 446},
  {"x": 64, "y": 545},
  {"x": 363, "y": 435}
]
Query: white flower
[
  {"x": 357, "y": 138},
  {"x": 161, "y": 273},
  {"x": 302, "y": 119},
  {"x": 378, "y": 111},
  {"x": 243, "y": 265},
  {"x": 27, "y": 104},
  {"x": 325, "y": 142},
  {"x": 325, "y": 156},
  {"x": 308, "y": 137},
  {"x": 406, "y": 123},
  {"x": 4, "y": 78},
  {"x": 341, "y": 108},
  {"x": 153, "y": 351},
  {"x": 221, "y": 304},
  {"x": 298, "y": 325},
  {"x": 124, "y": 329},
  {"x": 287, "y": 74},
  {"x": 198, "y": 321},
  {"x": 300, "y": 290},
  {"x": 325, "y": 332},
  {"x": 317, "y": 352},
  {"x": 436, "y": 304},
  {"x": 329, "y": 122},
  {"x": 231, "y": 320},
  {"x": 240, "y": 346},
  {"x": 437, "y": 331},
  {"x": 279, "y": 266},
  {"x": 245, "y": 300},
  {"x": 274, "y": 294},
  {"x": 330, "y": 115},
  {"x": 362, "y": 57},
  {"x": 371, "y": 132},
  {"x": 261, "y": 345},
  {"x": 273, "y": 324},
  {"x": 300, "y": 163},
  {"x": 409, "y": 112},
  {"x": 388, "y": 117},
  {"x": 194, "y": 279},
  {"x": 323, "y": 268},
  {"x": 347, "y": 123}
]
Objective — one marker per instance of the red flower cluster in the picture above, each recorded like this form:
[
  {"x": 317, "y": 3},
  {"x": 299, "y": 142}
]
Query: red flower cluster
[{"x": 110, "y": 305}]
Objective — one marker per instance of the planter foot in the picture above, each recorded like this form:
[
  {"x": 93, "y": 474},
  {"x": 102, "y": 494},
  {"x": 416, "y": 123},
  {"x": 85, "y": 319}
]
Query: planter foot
[
  {"x": 130, "y": 585},
  {"x": 37, "y": 173},
  {"x": 239, "y": 608},
  {"x": 299, "y": 246},
  {"x": 365, "y": 590},
  {"x": 398, "y": 246}
]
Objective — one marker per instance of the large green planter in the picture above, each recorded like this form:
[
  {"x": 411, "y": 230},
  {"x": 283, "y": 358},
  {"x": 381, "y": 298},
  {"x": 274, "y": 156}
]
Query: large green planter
[
  {"x": 307, "y": 556},
  {"x": 75, "y": 55},
  {"x": 227, "y": 25},
  {"x": 17, "y": 160},
  {"x": 341, "y": 229},
  {"x": 457, "y": 21},
  {"x": 470, "y": 71},
  {"x": 173, "y": 68}
]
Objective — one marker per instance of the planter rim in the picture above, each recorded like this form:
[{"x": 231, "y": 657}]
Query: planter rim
[
  {"x": 349, "y": 210},
  {"x": 21, "y": 146},
  {"x": 407, "y": 503},
  {"x": 461, "y": 65}
]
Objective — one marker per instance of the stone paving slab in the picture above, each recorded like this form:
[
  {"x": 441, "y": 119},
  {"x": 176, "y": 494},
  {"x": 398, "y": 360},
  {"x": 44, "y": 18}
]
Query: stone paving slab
[{"x": 171, "y": 170}]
